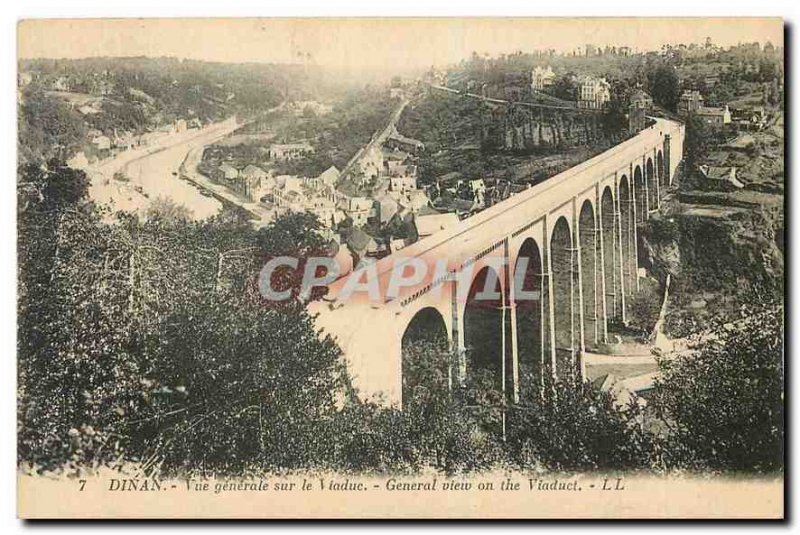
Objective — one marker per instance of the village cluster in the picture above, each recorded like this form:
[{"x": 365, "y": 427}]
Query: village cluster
[{"x": 377, "y": 189}]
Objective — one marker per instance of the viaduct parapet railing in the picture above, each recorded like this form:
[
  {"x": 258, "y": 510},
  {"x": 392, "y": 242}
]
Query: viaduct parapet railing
[{"x": 560, "y": 261}]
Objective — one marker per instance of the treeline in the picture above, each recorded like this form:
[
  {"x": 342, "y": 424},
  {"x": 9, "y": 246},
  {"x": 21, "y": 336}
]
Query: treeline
[
  {"x": 336, "y": 136},
  {"x": 137, "y": 95},
  {"x": 174, "y": 87},
  {"x": 47, "y": 127},
  {"x": 146, "y": 342}
]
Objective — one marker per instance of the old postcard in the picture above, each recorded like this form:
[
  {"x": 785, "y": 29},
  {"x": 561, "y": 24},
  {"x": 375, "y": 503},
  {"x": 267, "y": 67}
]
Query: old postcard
[{"x": 400, "y": 268}]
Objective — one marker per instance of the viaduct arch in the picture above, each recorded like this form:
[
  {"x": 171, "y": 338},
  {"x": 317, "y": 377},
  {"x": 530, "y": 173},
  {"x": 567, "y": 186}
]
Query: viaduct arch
[{"x": 570, "y": 241}]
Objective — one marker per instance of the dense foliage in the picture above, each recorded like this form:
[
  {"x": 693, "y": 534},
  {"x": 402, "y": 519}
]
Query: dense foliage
[
  {"x": 148, "y": 338},
  {"x": 48, "y": 128},
  {"x": 145, "y": 341},
  {"x": 724, "y": 406},
  {"x": 336, "y": 136},
  {"x": 134, "y": 95}
]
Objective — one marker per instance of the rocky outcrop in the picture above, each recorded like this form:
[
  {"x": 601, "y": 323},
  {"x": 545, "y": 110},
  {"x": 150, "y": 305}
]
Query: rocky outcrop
[{"x": 716, "y": 247}]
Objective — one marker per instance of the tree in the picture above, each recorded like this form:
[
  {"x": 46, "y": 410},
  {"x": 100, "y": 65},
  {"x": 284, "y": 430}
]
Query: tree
[
  {"x": 614, "y": 120},
  {"x": 47, "y": 127},
  {"x": 723, "y": 405},
  {"x": 166, "y": 209},
  {"x": 565, "y": 88},
  {"x": 664, "y": 86},
  {"x": 436, "y": 428},
  {"x": 697, "y": 143},
  {"x": 576, "y": 427},
  {"x": 140, "y": 339},
  {"x": 294, "y": 235}
]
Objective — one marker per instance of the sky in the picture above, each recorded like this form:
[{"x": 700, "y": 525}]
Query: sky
[{"x": 382, "y": 43}]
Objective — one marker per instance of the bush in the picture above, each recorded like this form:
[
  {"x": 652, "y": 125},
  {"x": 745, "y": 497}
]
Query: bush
[
  {"x": 436, "y": 428},
  {"x": 145, "y": 337},
  {"x": 575, "y": 427},
  {"x": 723, "y": 405}
]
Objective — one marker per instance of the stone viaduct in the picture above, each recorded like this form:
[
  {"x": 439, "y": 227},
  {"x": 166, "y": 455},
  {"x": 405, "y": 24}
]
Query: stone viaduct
[{"x": 570, "y": 241}]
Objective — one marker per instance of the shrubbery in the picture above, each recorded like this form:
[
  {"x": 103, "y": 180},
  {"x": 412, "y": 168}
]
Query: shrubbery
[
  {"x": 723, "y": 406},
  {"x": 576, "y": 427},
  {"x": 146, "y": 342}
]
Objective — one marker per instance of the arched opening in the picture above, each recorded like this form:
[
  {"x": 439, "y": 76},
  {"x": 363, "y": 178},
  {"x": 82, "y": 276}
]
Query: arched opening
[
  {"x": 564, "y": 302},
  {"x": 590, "y": 270},
  {"x": 628, "y": 229},
  {"x": 652, "y": 186},
  {"x": 425, "y": 356},
  {"x": 639, "y": 195},
  {"x": 609, "y": 223},
  {"x": 483, "y": 332},
  {"x": 530, "y": 335},
  {"x": 662, "y": 173}
]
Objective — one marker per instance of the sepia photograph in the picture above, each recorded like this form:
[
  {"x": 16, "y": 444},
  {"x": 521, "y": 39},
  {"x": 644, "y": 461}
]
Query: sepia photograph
[{"x": 404, "y": 268}]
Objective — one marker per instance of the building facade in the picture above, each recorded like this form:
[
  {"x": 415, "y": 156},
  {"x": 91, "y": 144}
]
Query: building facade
[{"x": 593, "y": 93}]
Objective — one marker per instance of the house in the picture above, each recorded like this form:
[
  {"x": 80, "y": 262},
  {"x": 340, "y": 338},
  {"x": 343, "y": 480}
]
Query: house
[
  {"x": 396, "y": 140},
  {"x": 542, "y": 78},
  {"x": 711, "y": 80},
  {"x": 640, "y": 99},
  {"x": 417, "y": 200},
  {"x": 396, "y": 93},
  {"x": 428, "y": 225},
  {"x": 396, "y": 167},
  {"x": 124, "y": 140},
  {"x": 330, "y": 176},
  {"x": 403, "y": 183},
  {"x": 724, "y": 177},
  {"x": 402, "y": 177},
  {"x": 61, "y": 84},
  {"x": 228, "y": 171},
  {"x": 290, "y": 183},
  {"x": 478, "y": 189},
  {"x": 292, "y": 201},
  {"x": 325, "y": 210},
  {"x": 715, "y": 116},
  {"x": 359, "y": 210},
  {"x": 361, "y": 243},
  {"x": 593, "y": 93},
  {"x": 250, "y": 181},
  {"x": 101, "y": 142},
  {"x": 290, "y": 151},
  {"x": 287, "y": 193},
  {"x": 690, "y": 102},
  {"x": 751, "y": 117},
  {"x": 268, "y": 186},
  {"x": 371, "y": 162},
  {"x": 386, "y": 207}
]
